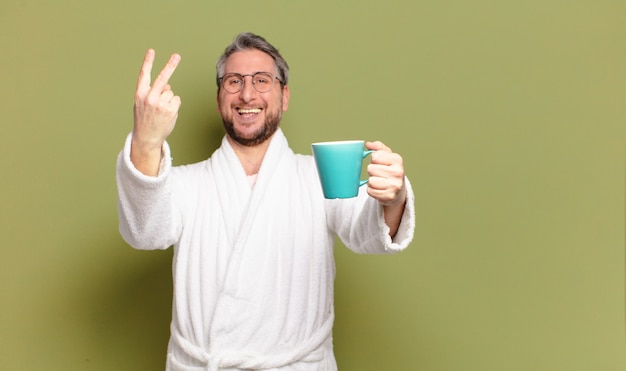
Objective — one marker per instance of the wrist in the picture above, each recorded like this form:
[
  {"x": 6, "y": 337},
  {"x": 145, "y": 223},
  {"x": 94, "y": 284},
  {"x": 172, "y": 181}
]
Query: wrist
[
  {"x": 146, "y": 146},
  {"x": 146, "y": 157}
]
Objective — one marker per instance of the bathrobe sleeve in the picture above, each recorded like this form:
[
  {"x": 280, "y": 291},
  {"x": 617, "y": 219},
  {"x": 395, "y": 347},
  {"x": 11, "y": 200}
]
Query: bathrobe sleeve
[
  {"x": 359, "y": 222},
  {"x": 147, "y": 217}
]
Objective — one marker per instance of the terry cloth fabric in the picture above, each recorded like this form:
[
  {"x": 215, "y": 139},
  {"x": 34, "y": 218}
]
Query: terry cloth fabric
[{"x": 253, "y": 268}]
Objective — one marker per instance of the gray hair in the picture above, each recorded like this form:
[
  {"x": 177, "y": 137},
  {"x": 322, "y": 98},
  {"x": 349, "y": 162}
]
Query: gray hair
[{"x": 247, "y": 41}]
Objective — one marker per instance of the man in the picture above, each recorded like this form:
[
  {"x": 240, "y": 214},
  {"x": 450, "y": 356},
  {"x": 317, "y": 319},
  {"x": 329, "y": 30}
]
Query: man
[{"x": 252, "y": 233}]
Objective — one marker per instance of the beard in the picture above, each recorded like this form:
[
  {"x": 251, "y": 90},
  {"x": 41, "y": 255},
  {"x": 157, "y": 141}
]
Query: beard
[{"x": 272, "y": 122}]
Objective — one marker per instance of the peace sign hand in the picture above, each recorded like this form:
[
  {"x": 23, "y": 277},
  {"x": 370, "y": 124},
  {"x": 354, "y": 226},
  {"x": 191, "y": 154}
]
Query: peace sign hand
[{"x": 156, "y": 111}]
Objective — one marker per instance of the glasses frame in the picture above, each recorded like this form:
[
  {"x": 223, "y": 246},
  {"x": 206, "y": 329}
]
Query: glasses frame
[{"x": 243, "y": 81}]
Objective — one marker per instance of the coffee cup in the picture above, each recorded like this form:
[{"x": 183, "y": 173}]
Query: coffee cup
[{"x": 339, "y": 165}]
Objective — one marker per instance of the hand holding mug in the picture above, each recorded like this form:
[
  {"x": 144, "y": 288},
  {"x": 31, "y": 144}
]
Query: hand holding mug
[{"x": 386, "y": 171}]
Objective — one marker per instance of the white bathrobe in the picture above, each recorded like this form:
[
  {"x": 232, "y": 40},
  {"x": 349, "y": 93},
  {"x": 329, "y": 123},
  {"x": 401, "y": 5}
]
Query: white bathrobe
[{"x": 253, "y": 267}]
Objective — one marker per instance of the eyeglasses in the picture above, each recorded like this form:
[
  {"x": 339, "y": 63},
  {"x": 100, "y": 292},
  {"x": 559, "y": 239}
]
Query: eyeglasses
[{"x": 234, "y": 82}]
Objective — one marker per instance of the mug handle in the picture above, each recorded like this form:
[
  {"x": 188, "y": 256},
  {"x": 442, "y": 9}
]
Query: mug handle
[{"x": 365, "y": 154}]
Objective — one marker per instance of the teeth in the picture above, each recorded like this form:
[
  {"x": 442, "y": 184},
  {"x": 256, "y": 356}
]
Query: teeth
[{"x": 251, "y": 110}]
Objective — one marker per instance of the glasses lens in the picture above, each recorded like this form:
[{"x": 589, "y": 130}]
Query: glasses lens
[
  {"x": 263, "y": 81},
  {"x": 232, "y": 82}
]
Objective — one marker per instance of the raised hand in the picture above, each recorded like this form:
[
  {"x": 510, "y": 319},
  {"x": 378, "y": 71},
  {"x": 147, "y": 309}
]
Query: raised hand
[
  {"x": 155, "y": 111},
  {"x": 386, "y": 183}
]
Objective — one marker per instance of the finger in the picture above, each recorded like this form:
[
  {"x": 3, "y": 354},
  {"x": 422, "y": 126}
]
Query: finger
[
  {"x": 377, "y": 146},
  {"x": 143, "y": 83},
  {"x": 388, "y": 196},
  {"x": 380, "y": 171},
  {"x": 385, "y": 187},
  {"x": 377, "y": 183},
  {"x": 382, "y": 194},
  {"x": 167, "y": 96},
  {"x": 175, "y": 102},
  {"x": 161, "y": 81},
  {"x": 394, "y": 171},
  {"x": 386, "y": 158}
]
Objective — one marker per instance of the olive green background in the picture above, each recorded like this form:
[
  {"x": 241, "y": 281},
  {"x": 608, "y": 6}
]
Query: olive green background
[{"x": 510, "y": 116}]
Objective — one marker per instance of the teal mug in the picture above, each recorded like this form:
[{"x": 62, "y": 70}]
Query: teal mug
[{"x": 339, "y": 166}]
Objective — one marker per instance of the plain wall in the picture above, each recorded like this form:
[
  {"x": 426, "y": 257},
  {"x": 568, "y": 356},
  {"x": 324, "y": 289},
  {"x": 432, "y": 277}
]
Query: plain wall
[{"x": 510, "y": 116}]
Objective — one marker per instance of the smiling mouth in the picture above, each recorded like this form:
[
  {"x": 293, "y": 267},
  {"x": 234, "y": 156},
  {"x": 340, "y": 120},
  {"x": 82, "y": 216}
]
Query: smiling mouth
[{"x": 242, "y": 111}]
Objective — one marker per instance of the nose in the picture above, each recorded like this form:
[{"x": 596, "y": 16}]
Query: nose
[{"x": 247, "y": 92}]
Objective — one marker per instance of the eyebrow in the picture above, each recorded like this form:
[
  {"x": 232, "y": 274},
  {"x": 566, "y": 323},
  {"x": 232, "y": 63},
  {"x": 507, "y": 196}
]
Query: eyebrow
[{"x": 246, "y": 74}]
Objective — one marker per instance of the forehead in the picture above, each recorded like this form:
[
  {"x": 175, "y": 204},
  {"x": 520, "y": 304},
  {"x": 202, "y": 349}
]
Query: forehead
[{"x": 249, "y": 61}]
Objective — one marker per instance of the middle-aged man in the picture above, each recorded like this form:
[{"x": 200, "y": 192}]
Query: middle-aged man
[{"x": 253, "y": 235}]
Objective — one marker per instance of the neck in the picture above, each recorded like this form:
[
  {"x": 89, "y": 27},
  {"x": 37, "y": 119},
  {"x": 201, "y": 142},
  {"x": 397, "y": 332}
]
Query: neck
[{"x": 251, "y": 157}]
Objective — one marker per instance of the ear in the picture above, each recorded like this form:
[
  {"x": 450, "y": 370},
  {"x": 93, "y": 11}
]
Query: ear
[{"x": 285, "y": 98}]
